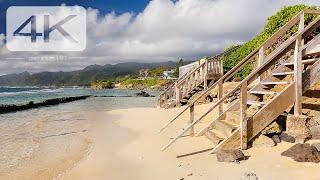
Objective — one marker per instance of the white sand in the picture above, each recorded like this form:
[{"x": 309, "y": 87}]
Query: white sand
[{"x": 126, "y": 145}]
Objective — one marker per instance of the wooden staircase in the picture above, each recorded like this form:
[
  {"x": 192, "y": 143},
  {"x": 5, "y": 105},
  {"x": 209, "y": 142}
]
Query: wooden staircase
[
  {"x": 284, "y": 71},
  {"x": 191, "y": 83},
  {"x": 195, "y": 81}
]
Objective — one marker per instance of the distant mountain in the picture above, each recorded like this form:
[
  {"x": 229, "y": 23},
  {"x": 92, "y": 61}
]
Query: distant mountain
[{"x": 81, "y": 77}]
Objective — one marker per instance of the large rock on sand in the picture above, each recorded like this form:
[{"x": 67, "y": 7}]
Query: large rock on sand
[
  {"x": 297, "y": 127},
  {"x": 287, "y": 138},
  {"x": 230, "y": 155},
  {"x": 263, "y": 141},
  {"x": 273, "y": 128},
  {"x": 303, "y": 153},
  {"x": 315, "y": 132}
]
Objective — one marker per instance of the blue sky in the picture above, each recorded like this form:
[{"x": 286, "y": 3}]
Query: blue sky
[
  {"x": 147, "y": 31},
  {"x": 104, "y": 6}
]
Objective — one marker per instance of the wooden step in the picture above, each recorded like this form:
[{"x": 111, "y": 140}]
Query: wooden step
[
  {"x": 307, "y": 61},
  {"x": 233, "y": 116},
  {"x": 275, "y": 83},
  {"x": 213, "y": 137},
  {"x": 256, "y": 103},
  {"x": 314, "y": 53},
  {"x": 282, "y": 73},
  {"x": 264, "y": 92},
  {"x": 224, "y": 127}
]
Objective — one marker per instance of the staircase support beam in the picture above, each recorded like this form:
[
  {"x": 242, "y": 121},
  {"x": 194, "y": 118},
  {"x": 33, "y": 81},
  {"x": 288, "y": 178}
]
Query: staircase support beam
[
  {"x": 220, "y": 94},
  {"x": 298, "y": 69},
  {"x": 191, "y": 120},
  {"x": 205, "y": 83},
  {"x": 177, "y": 91},
  {"x": 243, "y": 116}
]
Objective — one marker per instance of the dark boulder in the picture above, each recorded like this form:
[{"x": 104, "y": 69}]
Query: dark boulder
[
  {"x": 303, "y": 153},
  {"x": 143, "y": 94},
  {"x": 276, "y": 138},
  {"x": 287, "y": 138}
]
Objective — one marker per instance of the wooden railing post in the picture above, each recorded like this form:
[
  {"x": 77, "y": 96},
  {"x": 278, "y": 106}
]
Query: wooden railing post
[
  {"x": 298, "y": 70},
  {"x": 196, "y": 77},
  {"x": 243, "y": 115},
  {"x": 260, "y": 61},
  {"x": 191, "y": 120},
  {"x": 221, "y": 68},
  {"x": 177, "y": 90},
  {"x": 205, "y": 85},
  {"x": 162, "y": 99},
  {"x": 220, "y": 94}
]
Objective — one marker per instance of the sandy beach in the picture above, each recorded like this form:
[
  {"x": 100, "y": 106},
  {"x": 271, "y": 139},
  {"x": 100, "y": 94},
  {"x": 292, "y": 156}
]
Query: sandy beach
[
  {"x": 90, "y": 140},
  {"x": 126, "y": 145}
]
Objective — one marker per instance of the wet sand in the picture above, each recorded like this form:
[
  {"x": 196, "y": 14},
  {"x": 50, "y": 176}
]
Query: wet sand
[{"x": 44, "y": 147}]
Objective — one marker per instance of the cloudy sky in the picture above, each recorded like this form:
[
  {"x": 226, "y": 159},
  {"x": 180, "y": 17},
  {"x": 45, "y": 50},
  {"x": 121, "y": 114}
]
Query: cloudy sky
[{"x": 147, "y": 31}]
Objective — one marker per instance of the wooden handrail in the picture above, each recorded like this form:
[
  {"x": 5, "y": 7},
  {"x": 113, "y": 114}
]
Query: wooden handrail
[{"x": 310, "y": 11}]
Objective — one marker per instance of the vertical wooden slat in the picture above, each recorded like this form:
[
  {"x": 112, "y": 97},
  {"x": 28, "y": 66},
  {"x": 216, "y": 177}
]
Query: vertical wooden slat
[
  {"x": 221, "y": 68},
  {"x": 191, "y": 120},
  {"x": 243, "y": 114},
  {"x": 177, "y": 92},
  {"x": 220, "y": 94},
  {"x": 196, "y": 77},
  {"x": 205, "y": 75},
  {"x": 201, "y": 72},
  {"x": 260, "y": 60},
  {"x": 298, "y": 70}
]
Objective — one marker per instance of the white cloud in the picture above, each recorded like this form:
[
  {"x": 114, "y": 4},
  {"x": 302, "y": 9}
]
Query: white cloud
[{"x": 168, "y": 30}]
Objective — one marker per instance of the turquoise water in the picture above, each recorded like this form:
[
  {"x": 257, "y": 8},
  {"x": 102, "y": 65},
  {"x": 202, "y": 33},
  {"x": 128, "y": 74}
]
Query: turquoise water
[
  {"x": 23, "y": 95},
  {"x": 54, "y": 129}
]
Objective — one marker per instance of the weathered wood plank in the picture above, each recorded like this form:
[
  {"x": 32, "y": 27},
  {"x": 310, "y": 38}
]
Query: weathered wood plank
[
  {"x": 298, "y": 77},
  {"x": 271, "y": 111},
  {"x": 298, "y": 69}
]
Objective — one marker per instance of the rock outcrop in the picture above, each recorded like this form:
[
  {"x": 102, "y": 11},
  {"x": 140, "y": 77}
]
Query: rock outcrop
[
  {"x": 143, "y": 94},
  {"x": 31, "y": 105}
]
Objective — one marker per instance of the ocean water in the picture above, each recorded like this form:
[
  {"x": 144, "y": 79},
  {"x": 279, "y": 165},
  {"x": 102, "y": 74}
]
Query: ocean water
[
  {"x": 55, "y": 131},
  {"x": 23, "y": 95}
]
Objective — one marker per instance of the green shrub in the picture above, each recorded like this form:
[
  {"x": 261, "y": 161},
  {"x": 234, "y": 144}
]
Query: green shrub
[{"x": 273, "y": 24}]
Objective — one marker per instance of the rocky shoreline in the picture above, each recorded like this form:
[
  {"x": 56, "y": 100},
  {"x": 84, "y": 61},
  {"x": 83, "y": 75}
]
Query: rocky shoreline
[{"x": 4, "y": 108}]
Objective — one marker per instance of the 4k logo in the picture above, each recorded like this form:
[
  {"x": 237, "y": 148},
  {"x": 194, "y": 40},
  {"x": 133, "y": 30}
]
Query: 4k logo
[{"x": 61, "y": 28}]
